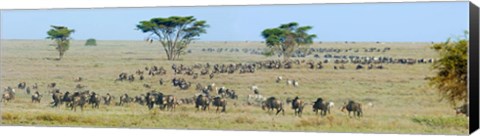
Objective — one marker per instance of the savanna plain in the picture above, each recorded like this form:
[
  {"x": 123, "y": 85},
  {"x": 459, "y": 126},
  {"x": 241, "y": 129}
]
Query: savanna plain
[{"x": 401, "y": 100}]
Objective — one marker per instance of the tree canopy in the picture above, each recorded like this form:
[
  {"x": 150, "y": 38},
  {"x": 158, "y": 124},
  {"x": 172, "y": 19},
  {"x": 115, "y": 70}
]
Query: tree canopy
[
  {"x": 451, "y": 77},
  {"x": 287, "y": 37},
  {"x": 61, "y": 35},
  {"x": 175, "y": 33}
]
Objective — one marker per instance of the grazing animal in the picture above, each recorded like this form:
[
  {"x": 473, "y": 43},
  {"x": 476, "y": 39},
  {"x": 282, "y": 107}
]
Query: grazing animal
[
  {"x": 22, "y": 85},
  {"x": 330, "y": 106},
  {"x": 80, "y": 86},
  {"x": 107, "y": 99},
  {"x": 211, "y": 75},
  {"x": 147, "y": 86},
  {"x": 462, "y": 110},
  {"x": 273, "y": 104},
  {"x": 295, "y": 83},
  {"x": 8, "y": 94},
  {"x": 35, "y": 86},
  {"x": 297, "y": 106},
  {"x": 131, "y": 78},
  {"x": 52, "y": 85},
  {"x": 36, "y": 97},
  {"x": 140, "y": 99},
  {"x": 289, "y": 82},
  {"x": 171, "y": 102},
  {"x": 78, "y": 79},
  {"x": 255, "y": 89},
  {"x": 202, "y": 102},
  {"x": 319, "y": 105},
  {"x": 220, "y": 102},
  {"x": 124, "y": 99},
  {"x": 161, "y": 81},
  {"x": 359, "y": 67},
  {"x": 94, "y": 100},
  {"x": 78, "y": 100},
  {"x": 66, "y": 98},
  {"x": 27, "y": 90},
  {"x": 354, "y": 107},
  {"x": 279, "y": 78},
  {"x": 151, "y": 99}
]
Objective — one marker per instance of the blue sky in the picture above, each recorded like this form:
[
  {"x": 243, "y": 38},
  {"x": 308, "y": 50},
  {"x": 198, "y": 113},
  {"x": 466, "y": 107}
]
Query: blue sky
[{"x": 427, "y": 21}]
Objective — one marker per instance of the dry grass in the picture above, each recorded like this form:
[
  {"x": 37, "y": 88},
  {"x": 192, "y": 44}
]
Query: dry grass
[{"x": 403, "y": 102}]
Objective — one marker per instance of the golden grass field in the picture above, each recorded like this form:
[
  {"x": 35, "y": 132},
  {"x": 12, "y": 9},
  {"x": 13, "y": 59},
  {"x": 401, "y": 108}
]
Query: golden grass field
[{"x": 403, "y": 102}]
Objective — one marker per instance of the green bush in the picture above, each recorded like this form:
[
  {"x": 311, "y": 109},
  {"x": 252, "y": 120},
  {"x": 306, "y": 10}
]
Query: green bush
[{"x": 91, "y": 42}]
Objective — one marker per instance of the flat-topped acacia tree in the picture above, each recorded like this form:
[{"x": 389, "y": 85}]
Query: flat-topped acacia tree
[
  {"x": 286, "y": 38},
  {"x": 175, "y": 33},
  {"x": 61, "y": 35}
]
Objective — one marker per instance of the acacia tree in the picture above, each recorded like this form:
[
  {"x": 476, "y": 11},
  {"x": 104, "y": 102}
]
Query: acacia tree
[
  {"x": 286, "y": 38},
  {"x": 451, "y": 77},
  {"x": 175, "y": 33},
  {"x": 61, "y": 35}
]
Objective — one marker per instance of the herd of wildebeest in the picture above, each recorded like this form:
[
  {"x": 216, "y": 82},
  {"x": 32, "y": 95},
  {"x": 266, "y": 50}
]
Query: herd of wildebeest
[{"x": 210, "y": 94}]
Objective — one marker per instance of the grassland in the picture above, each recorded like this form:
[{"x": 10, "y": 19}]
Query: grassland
[{"x": 403, "y": 103}]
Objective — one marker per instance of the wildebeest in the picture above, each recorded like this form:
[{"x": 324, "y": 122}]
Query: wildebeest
[
  {"x": 107, "y": 99},
  {"x": 295, "y": 83},
  {"x": 57, "y": 98},
  {"x": 36, "y": 97},
  {"x": 319, "y": 105},
  {"x": 279, "y": 78},
  {"x": 78, "y": 100},
  {"x": 147, "y": 86},
  {"x": 131, "y": 78},
  {"x": 27, "y": 90},
  {"x": 462, "y": 110},
  {"x": 231, "y": 94},
  {"x": 255, "y": 89},
  {"x": 80, "y": 86},
  {"x": 160, "y": 81},
  {"x": 202, "y": 102},
  {"x": 211, "y": 75},
  {"x": 35, "y": 86},
  {"x": 220, "y": 102},
  {"x": 52, "y": 85},
  {"x": 67, "y": 98},
  {"x": 8, "y": 94},
  {"x": 140, "y": 99},
  {"x": 273, "y": 104},
  {"x": 22, "y": 85},
  {"x": 171, "y": 102},
  {"x": 124, "y": 99},
  {"x": 354, "y": 107},
  {"x": 151, "y": 99},
  {"x": 78, "y": 79},
  {"x": 297, "y": 106},
  {"x": 122, "y": 76},
  {"x": 359, "y": 67},
  {"x": 94, "y": 100}
]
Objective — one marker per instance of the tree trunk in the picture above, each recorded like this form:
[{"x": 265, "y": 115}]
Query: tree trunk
[
  {"x": 168, "y": 53},
  {"x": 61, "y": 53}
]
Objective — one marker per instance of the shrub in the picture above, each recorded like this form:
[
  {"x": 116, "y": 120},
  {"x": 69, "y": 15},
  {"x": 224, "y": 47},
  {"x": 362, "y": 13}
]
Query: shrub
[{"x": 91, "y": 42}]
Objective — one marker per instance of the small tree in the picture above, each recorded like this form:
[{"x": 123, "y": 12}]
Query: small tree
[
  {"x": 286, "y": 38},
  {"x": 451, "y": 78},
  {"x": 61, "y": 35},
  {"x": 91, "y": 42},
  {"x": 175, "y": 33}
]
